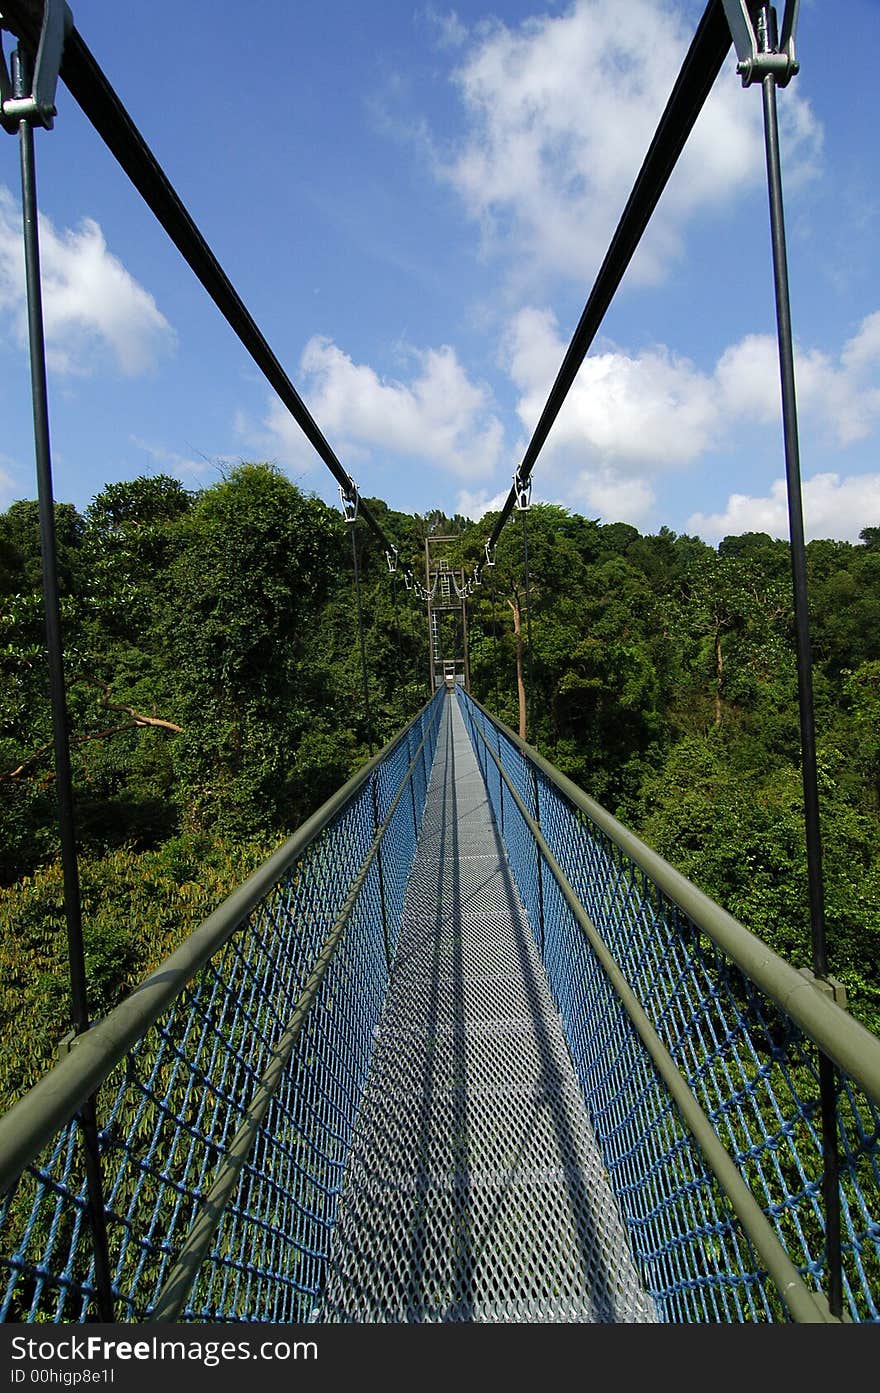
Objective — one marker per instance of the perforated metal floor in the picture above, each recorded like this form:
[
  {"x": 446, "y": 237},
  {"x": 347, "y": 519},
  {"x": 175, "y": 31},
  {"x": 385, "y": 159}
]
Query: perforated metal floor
[{"x": 475, "y": 1191}]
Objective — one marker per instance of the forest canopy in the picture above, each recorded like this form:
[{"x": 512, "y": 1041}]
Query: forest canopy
[{"x": 215, "y": 698}]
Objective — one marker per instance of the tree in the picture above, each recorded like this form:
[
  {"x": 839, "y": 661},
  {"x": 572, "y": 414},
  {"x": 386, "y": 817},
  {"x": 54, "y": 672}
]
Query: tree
[
  {"x": 870, "y": 538},
  {"x": 257, "y": 564}
]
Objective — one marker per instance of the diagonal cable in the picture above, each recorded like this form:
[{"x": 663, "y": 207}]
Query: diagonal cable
[
  {"x": 699, "y": 70},
  {"x": 94, "y": 94}
]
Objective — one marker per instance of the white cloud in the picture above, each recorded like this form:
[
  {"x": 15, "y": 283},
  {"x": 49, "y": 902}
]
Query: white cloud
[
  {"x": 605, "y": 495},
  {"x": 439, "y": 416},
  {"x": 654, "y": 408},
  {"x": 833, "y": 507},
  {"x": 92, "y": 306},
  {"x": 560, "y": 112},
  {"x": 477, "y": 505},
  {"x": 632, "y": 417},
  {"x": 843, "y": 396}
]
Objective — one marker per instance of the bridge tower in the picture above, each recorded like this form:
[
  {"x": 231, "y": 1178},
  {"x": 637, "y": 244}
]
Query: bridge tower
[{"x": 447, "y": 638}]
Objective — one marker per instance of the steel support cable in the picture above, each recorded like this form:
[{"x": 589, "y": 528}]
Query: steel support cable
[
  {"x": 97, "y": 99},
  {"x": 699, "y": 70},
  {"x": 361, "y": 640},
  {"x": 172, "y": 1298},
  {"x": 796, "y": 1295}
]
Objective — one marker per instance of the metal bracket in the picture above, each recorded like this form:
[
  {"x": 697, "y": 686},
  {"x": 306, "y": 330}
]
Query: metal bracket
[
  {"x": 828, "y": 986},
  {"x": 523, "y": 489},
  {"x": 39, "y": 107},
  {"x": 753, "y": 30},
  {"x": 66, "y": 1044},
  {"x": 391, "y": 558},
  {"x": 349, "y": 503}
]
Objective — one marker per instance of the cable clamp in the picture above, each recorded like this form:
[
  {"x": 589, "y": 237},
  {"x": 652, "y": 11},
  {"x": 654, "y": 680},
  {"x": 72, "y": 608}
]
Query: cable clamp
[
  {"x": 523, "y": 489},
  {"x": 66, "y": 1044},
  {"x": 752, "y": 26},
  {"x": 39, "y": 107},
  {"x": 349, "y": 501},
  {"x": 827, "y": 985}
]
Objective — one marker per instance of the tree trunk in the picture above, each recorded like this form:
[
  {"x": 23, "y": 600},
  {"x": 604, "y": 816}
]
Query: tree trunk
[
  {"x": 520, "y": 684},
  {"x": 719, "y": 671}
]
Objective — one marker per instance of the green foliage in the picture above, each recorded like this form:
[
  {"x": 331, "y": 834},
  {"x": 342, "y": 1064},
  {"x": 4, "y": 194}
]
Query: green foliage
[
  {"x": 216, "y": 699},
  {"x": 137, "y": 908}
]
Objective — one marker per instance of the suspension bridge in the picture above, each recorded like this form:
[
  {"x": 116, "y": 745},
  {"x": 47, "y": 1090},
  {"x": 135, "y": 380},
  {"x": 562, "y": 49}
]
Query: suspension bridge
[{"x": 463, "y": 1049}]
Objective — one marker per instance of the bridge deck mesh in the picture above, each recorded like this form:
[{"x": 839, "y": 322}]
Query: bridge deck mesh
[{"x": 475, "y": 1190}]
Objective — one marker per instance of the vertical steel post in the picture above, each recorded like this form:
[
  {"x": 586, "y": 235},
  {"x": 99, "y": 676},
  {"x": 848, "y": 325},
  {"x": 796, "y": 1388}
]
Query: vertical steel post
[
  {"x": 464, "y": 638},
  {"x": 400, "y": 673},
  {"x": 57, "y": 684},
  {"x": 432, "y": 684},
  {"x": 768, "y": 42},
  {"x": 525, "y": 533}
]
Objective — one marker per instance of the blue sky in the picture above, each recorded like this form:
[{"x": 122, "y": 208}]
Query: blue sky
[{"x": 413, "y": 202}]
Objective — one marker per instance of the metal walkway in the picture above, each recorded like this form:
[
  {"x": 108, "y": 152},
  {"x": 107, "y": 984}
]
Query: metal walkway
[{"x": 475, "y": 1190}]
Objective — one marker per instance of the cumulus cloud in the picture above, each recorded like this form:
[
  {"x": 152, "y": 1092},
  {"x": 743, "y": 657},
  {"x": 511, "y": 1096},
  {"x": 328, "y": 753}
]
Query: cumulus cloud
[
  {"x": 477, "y": 505},
  {"x": 93, "y": 307},
  {"x": 844, "y": 395},
  {"x": 833, "y": 507},
  {"x": 439, "y": 416},
  {"x": 631, "y": 417},
  {"x": 560, "y": 110},
  {"x": 652, "y": 408},
  {"x": 604, "y": 494}
]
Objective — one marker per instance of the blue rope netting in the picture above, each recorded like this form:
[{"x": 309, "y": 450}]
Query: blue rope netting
[
  {"x": 752, "y": 1070},
  {"x": 170, "y": 1109}
]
